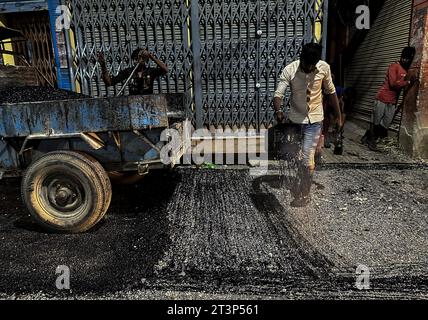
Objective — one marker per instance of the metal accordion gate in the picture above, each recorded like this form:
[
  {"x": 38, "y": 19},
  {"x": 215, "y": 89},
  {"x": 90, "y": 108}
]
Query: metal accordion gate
[{"x": 225, "y": 55}]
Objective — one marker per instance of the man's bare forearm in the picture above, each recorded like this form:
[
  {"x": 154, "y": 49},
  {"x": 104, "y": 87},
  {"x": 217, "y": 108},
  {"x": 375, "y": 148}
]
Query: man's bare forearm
[
  {"x": 159, "y": 63},
  {"x": 107, "y": 79},
  {"x": 277, "y": 102},
  {"x": 279, "y": 115},
  {"x": 105, "y": 75}
]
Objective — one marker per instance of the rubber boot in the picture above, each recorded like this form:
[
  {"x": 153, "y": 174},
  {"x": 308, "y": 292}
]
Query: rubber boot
[
  {"x": 376, "y": 133},
  {"x": 367, "y": 136},
  {"x": 383, "y": 132}
]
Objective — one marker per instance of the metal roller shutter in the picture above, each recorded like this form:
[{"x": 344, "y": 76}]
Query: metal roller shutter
[
  {"x": 118, "y": 27},
  {"x": 35, "y": 26},
  {"x": 240, "y": 69},
  {"x": 226, "y": 55},
  {"x": 381, "y": 47}
]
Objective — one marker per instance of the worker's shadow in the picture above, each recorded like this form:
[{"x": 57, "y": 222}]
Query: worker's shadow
[
  {"x": 273, "y": 181},
  {"x": 305, "y": 258},
  {"x": 265, "y": 201}
]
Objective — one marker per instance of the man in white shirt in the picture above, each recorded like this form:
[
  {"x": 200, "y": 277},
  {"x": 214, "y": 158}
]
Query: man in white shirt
[{"x": 307, "y": 78}]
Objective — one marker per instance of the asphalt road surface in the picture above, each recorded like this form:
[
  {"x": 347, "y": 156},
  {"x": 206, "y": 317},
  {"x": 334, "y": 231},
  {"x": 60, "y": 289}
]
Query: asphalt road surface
[{"x": 225, "y": 234}]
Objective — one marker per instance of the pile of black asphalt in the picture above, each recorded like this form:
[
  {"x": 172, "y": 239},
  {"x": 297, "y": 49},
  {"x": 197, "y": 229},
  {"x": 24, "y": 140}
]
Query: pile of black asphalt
[{"x": 35, "y": 94}]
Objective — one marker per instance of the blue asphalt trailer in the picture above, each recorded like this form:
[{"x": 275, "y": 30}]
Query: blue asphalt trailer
[
  {"x": 53, "y": 122},
  {"x": 83, "y": 115},
  {"x": 61, "y": 143},
  {"x": 61, "y": 119}
]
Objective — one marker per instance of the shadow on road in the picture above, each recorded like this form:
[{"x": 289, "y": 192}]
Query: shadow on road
[{"x": 310, "y": 261}]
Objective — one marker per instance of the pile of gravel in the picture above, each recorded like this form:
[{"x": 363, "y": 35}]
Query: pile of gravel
[{"x": 35, "y": 93}]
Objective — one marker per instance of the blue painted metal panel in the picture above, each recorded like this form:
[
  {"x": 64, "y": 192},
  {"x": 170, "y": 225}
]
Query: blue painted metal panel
[
  {"x": 8, "y": 6},
  {"x": 12, "y": 122},
  {"x": 150, "y": 116},
  {"x": 63, "y": 74},
  {"x": 8, "y": 157},
  {"x": 84, "y": 115},
  {"x": 135, "y": 149},
  {"x": 65, "y": 82}
]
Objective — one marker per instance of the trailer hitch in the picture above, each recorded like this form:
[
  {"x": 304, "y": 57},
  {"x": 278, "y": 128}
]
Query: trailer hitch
[{"x": 143, "y": 169}]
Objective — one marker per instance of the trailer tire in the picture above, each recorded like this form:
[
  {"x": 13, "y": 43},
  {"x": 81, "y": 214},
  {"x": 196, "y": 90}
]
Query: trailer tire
[
  {"x": 64, "y": 191},
  {"x": 105, "y": 180}
]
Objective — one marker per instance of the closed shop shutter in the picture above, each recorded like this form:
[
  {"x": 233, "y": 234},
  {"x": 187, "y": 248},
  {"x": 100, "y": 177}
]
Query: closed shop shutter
[
  {"x": 118, "y": 27},
  {"x": 36, "y": 28},
  {"x": 381, "y": 47},
  {"x": 237, "y": 48}
]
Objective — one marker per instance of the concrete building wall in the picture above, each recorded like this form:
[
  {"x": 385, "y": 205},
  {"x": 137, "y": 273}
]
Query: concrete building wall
[{"x": 414, "y": 129}]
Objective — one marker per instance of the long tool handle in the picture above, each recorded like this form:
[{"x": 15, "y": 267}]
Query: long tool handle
[{"x": 127, "y": 80}]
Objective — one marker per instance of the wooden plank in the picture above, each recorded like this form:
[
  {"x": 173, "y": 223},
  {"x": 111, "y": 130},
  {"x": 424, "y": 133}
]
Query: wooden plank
[{"x": 17, "y": 76}]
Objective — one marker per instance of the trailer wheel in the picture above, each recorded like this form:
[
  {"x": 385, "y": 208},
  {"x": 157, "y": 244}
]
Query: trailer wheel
[
  {"x": 105, "y": 180},
  {"x": 65, "y": 192}
]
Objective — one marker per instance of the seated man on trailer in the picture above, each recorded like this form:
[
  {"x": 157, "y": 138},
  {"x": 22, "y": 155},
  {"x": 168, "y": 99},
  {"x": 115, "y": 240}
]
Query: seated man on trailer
[{"x": 141, "y": 77}]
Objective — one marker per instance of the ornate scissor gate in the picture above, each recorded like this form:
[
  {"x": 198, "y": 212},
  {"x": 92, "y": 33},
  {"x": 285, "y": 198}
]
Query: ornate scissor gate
[{"x": 226, "y": 55}]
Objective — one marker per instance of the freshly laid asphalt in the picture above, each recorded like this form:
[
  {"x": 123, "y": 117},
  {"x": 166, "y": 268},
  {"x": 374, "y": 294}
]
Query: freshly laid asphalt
[{"x": 193, "y": 233}]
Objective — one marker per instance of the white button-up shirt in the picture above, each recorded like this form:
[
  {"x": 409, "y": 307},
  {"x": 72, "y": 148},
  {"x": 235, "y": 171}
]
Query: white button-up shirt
[{"x": 306, "y": 91}]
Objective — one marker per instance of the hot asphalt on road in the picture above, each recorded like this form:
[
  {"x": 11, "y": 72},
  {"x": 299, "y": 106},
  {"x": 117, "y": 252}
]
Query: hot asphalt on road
[{"x": 226, "y": 234}]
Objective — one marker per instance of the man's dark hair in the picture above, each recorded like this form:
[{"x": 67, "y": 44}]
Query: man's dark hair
[
  {"x": 408, "y": 52},
  {"x": 135, "y": 53},
  {"x": 311, "y": 53}
]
